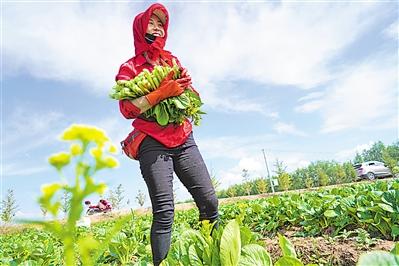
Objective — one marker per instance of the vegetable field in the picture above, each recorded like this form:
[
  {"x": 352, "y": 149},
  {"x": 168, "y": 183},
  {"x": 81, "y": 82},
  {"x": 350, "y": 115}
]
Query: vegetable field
[
  {"x": 249, "y": 233},
  {"x": 253, "y": 232}
]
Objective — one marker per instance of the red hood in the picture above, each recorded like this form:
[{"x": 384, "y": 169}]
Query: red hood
[{"x": 140, "y": 24}]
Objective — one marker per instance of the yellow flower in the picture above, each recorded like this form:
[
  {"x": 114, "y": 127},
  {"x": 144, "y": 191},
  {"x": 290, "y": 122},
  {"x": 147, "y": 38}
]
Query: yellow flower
[
  {"x": 48, "y": 190},
  {"x": 85, "y": 134},
  {"x": 113, "y": 149},
  {"x": 107, "y": 162},
  {"x": 96, "y": 153},
  {"x": 76, "y": 149},
  {"x": 59, "y": 160},
  {"x": 101, "y": 188},
  {"x": 111, "y": 162}
]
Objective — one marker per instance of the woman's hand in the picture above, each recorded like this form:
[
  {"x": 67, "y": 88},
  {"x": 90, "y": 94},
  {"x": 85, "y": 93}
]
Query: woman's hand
[
  {"x": 167, "y": 88},
  {"x": 185, "y": 79},
  {"x": 184, "y": 82}
]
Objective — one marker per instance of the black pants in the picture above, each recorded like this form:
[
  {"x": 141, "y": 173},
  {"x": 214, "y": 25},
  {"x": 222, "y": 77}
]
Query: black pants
[{"x": 157, "y": 164}]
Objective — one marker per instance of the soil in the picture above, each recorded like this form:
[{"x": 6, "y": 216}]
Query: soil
[{"x": 323, "y": 251}]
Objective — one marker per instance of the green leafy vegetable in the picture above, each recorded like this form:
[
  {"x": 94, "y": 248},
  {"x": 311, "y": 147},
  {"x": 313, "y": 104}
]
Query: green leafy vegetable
[{"x": 172, "y": 110}]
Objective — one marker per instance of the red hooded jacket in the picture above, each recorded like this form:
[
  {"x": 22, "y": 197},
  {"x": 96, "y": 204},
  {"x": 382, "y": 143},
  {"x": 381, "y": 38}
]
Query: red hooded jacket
[{"x": 171, "y": 135}]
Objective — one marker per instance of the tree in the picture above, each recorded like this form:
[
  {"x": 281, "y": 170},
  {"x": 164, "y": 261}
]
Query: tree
[
  {"x": 9, "y": 207},
  {"x": 284, "y": 179},
  {"x": 247, "y": 185},
  {"x": 374, "y": 153},
  {"x": 215, "y": 182},
  {"x": 261, "y": 185},
  {"x": 308, "y": 181},
  {"x": 391, "y": 157},
  {"x": 358, "y": 158},
  {"x": 298, "y": 178},
  {"x": 140, "y": 198},
  {"x": 65, "y": 201},
  {"x": 340, "y": 174},
  {"x": 280, "y": 168},
  {"x": 323, "y": 177},
  {"x": 350, "y": 172},
  {"x": 231, "y": 191},
  {"x": 221, "y": 193},
  {"x": 116, "y": 197},
  {"x": 44, "y": 211}
]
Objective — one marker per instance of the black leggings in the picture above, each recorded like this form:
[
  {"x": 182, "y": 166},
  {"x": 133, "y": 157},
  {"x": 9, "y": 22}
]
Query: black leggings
[{"x": 157, "y": 164}]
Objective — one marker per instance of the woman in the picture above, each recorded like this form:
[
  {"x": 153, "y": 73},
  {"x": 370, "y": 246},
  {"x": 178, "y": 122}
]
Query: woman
[{"x": 163, "y": 150}]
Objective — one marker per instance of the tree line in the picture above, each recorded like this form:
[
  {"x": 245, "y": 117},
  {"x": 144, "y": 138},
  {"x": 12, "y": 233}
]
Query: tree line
[{"x": 319, "y": 173}]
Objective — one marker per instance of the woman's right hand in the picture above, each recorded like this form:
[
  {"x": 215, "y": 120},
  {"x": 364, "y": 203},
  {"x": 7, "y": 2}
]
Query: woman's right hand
[
  {"x": 167, "y": 88},
  {"x": 171, "y": 88}
]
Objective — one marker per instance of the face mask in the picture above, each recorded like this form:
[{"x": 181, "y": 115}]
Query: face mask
[{"x": 149, "y": 38}]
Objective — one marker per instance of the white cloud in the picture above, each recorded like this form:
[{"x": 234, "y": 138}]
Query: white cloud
[
  {"x": 234, "y": 147},
  {"x": 309, "y": 107},
  {"x": 392, "y": 31},
  {"x": 364, "y": 96},
  {"x": 27, "y": 129},
  {"x": 311, "y": 96},
  {"x": 30, "y": 133},
  {"x": 312, "y": 102},
  {"x": 25, "y": 121},
  {"x": 284, "y": 44},
  {"x": 256, "y": 166},
  {"x": 288, "y": 44},
  {"x": 69, "y": 41},
  {"x": 16, "y": 169},
  {"x": 228, "y": 102},
  {"x": 349, "y": 154},
  {"x": 246, "y": 153},
  {"x": 252, "y": 164},
  {"x": 27, "y": 215},
  {"x": 284, "y": 128}
]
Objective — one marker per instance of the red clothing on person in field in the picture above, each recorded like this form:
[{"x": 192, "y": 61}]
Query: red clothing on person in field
[{"x": 171, "y": 135}]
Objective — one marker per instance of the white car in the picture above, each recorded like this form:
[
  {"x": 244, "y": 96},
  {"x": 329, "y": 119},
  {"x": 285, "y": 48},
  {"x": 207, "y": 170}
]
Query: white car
[{"x": 371, "y": 170}]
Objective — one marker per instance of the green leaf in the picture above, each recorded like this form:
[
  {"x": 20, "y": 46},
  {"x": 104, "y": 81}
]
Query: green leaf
[
  {"x": 394, "y": 231},
  {"x": 378, "y": 258},
  {"x": 246, "y": 235},
  {"x": 194, "y": 258},
  {"x": 184, "y": 99},
  {"x": 288, "y": 261},
  {"x": 330, "y": 213},
  {"x": 161, "y": 114},
  {"x": 179, "y": 104},
  {"x": 386, "y": 207},
  {"x": 86, "y": 245},
  {"x": 286, "y": 247},
  {"x": 395, "y": 250},
  {"x": 254, "y": 255},
  {"x": 230, "y": 244}
]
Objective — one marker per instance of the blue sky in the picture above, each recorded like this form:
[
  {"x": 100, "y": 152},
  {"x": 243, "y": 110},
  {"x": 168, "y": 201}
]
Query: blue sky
[{"x": 304, "y": 81}]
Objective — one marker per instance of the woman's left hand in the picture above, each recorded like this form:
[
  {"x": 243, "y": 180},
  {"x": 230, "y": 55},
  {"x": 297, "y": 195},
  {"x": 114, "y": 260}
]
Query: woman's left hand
[
  {"x": 183, "y": 72},
  {"x": 184, "y": 82}
]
